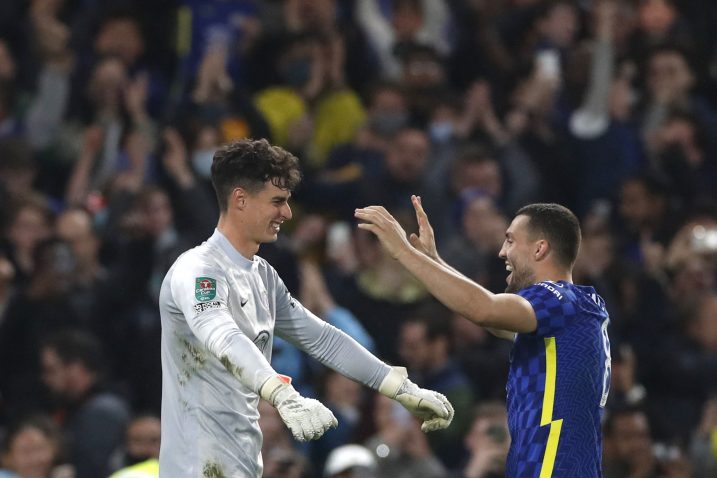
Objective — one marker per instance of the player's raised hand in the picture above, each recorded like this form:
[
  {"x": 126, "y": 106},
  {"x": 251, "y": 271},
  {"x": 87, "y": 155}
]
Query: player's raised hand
[
  {"x": 308, "y": 419},
  {"x": 432, "y": 408},
  {"x": 425, "y": 240},
  {"x": 380, "y": 222}
]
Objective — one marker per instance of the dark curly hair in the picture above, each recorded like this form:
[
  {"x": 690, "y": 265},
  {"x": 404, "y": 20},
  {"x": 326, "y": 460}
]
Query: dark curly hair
[{"x": 249, "y": 164}]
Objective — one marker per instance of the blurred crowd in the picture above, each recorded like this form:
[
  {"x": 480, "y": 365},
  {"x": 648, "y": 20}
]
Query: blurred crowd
[{"x": 110, "y": 112}]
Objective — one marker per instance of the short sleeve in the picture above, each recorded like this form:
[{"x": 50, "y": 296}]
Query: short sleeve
[{"x": 553, "y": 309}]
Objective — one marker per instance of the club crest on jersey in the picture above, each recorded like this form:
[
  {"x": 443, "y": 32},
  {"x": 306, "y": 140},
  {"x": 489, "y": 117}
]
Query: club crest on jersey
[
  {"x": 205, "y": 288},
  {"x": 261, "y": 340}
]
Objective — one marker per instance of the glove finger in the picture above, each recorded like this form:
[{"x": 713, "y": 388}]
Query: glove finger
[
  {"x": 298, "y": 433},
  {"x": 420, "y": 407},
  {"x": 314, "y": 427},
  {"x": 327, "y": 421},
  {"x": 448, "y": 406},
  {"x": 434, "y": 407},
  {"x": 428, "y": 426},
  {"x": 320, "y": 422},
  {"x": 434, "y": 424},
  {"x": 330, "y": 420},
  {"x": 333, "y": 420},
  {"x": 440, "y": 420}
]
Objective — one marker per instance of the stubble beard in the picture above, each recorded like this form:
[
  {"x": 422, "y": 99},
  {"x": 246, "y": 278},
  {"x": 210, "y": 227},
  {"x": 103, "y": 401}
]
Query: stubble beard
[{"x": 521, "y": 279}]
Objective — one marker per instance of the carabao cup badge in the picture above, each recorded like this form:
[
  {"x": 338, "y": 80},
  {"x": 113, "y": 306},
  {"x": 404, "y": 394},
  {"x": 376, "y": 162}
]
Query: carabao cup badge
[{"x": 205, "y": 288}]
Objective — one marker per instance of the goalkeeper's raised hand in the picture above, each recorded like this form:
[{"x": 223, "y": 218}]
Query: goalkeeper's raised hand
[
  {"x": 307, "y": 418},
  {"x": 432, "y": 408}
]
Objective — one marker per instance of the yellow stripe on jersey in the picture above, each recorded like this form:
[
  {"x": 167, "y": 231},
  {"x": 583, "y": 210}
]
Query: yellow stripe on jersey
[{"x": 551, "y": 449}]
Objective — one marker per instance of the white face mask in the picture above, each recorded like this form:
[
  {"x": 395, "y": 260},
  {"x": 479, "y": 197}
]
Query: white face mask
[
  {"x": 441, "y": 131},
  {"x": 202, "y": 162}
]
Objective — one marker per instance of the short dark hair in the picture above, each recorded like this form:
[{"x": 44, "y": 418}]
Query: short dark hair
[
  {"x": 77, "y": 346},
  {"x": 656, "y": 184},
  {"x": 42, "y": 423},
  {"x": 249, "y": 163},
  {"x": 436, "y": 319},
  {"x": 475, "y": 153},
  {"x": 558, "y": 225},
  {"x": 617, "y": 410}
]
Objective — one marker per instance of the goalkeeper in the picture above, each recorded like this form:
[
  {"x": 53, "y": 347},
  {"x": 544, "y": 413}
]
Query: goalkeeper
[{"x": 221, "y": 304}]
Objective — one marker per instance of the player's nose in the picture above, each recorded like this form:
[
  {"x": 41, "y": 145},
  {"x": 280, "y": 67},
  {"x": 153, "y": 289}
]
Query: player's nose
[{"x": 286, "y": 212}]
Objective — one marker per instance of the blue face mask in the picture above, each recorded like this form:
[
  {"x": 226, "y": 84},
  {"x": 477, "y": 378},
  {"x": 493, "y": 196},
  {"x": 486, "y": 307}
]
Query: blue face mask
[
  {"x": 441, "y": 131},
  {"x": 388, "y": 124},
  {"x": 202, "y": 162}
]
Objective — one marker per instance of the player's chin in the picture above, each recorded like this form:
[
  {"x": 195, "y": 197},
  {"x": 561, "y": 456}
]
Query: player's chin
[{"x": 509, "y": 287}]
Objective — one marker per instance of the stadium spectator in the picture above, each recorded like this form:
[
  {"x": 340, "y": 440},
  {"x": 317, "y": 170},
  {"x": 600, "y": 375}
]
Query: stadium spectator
[
  {"x": 487, "y": 441},
  {"x": 398, "y": 447},
  {"x": 33, "y": 448},
  {"x": 608, "y": 107},
  {"x": 93, "y": 419}
]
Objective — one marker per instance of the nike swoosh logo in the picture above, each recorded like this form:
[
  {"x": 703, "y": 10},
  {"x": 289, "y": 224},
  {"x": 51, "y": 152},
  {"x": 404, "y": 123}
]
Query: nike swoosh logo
[{"x": 243, "y": 302}]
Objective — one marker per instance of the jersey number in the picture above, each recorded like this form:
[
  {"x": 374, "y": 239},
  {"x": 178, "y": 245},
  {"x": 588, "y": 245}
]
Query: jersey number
[{"x": 608, "y": 363}]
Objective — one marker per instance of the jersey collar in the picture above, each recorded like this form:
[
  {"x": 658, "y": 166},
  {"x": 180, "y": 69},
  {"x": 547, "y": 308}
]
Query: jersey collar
[{"x": 220, "y": 240}]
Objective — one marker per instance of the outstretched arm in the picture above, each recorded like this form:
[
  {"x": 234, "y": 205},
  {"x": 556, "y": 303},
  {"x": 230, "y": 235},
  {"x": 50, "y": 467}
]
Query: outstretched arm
[
  {"x": 501, "y": 311},
  {"x": 337, "y": 350}
]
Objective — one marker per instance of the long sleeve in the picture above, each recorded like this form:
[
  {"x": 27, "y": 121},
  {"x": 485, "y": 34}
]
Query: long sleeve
[
  {"x": 324, "y": 342},
  {"x": 593, "y": 117},
  {"x": 331, "y": 347},
  {"x": 214, "y": 327},
  {"x": 48, "y": 108},
  {"x": 380, "y": 34},
  {"x": 344, "y": 320}
]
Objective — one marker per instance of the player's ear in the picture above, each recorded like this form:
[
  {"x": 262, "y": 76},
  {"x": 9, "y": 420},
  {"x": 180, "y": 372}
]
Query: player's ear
[
  {"x": 542, "y": 248},
  {"x": 238, "y": 198}
]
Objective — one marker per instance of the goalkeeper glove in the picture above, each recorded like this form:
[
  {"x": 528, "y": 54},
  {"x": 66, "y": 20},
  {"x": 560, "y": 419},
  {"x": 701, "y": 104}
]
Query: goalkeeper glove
[
  {"x": 432, "y": 408},
  {"x": 307, "y": 418}
]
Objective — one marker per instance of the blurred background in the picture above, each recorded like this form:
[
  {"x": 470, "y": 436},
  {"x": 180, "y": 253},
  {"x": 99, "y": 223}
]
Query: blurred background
[{"x": 110, "y": 112}]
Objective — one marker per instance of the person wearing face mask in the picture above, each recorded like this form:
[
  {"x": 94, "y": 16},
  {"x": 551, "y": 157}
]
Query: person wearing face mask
[
  {"x": 140, "y": 454},
  {"x": 220, "y": 307},
  {"x": 560, "y": 359},
  {"x": 190, "y": 185},
  {"x": 682, "y": 150},
  {"x": 202, "y": 162},
  {"x": 313, "y": 109}
]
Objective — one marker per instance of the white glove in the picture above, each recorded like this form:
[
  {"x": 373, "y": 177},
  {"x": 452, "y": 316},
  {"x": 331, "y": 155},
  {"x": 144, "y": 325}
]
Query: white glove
[
  {"x": 307, "y": 418},
  {"x": 432, "y": 408}
]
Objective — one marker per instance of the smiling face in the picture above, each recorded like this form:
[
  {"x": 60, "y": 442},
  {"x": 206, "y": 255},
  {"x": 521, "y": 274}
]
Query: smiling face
[
  {"x": 518, "y": 252},
  {"x": 263, "y": 213}
]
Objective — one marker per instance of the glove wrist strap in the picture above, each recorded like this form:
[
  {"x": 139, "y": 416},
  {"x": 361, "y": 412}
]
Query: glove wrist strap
[
  {"x": 393, "y": 381},
  {"x": 276, "y": 389}
]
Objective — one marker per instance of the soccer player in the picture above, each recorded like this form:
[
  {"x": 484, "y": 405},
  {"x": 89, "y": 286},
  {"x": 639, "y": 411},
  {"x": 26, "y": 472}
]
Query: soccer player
[
  {"x": 560, "y": 361},
  {"x": 220, "y": 306}
]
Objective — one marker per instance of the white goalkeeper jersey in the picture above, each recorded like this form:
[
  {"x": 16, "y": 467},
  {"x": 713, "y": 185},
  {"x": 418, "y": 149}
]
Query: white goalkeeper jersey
[{"x": 219, "y": 311}]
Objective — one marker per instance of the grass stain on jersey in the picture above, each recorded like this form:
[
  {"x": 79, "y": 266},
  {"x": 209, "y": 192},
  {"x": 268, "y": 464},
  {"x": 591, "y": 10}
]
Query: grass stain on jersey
[
  {"x": 229, "y": 365},
  {"x": 213, "y": 469},
  {"x": 193, "y": 360}
]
